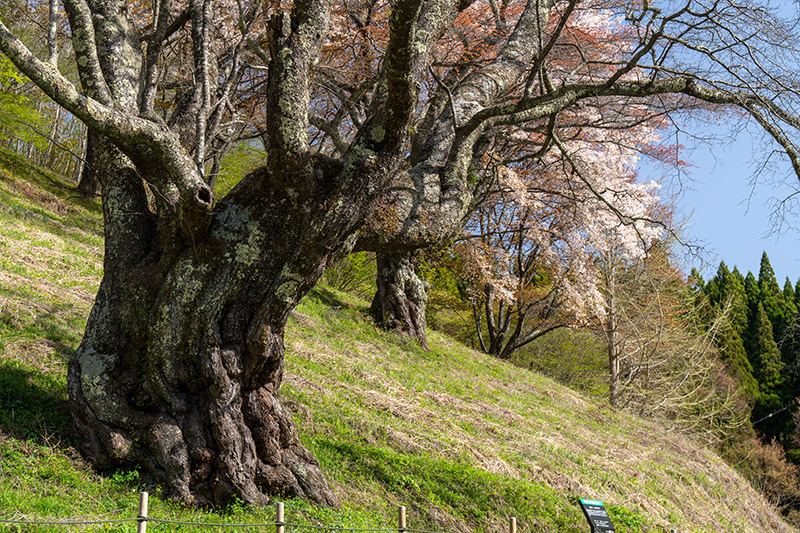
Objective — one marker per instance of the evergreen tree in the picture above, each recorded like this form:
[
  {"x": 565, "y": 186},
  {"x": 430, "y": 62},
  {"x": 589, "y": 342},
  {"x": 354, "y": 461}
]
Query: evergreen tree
[
  {"x": 704, "y": 306},
  {"x": 752, "y": 292},
  {"x": 771, "y": 298},
  {"x": 738, "y": 275},
  {"x": 797, "y": 294},
  {"x": 741, "y": 312},
  {"x": 790, "y": 342},
  {"x": 768, "y": 367},
  {"x": 696, "y": 281},
  {"x": 726, "y": 292},
  {"x": 734, "y": 355},
  {"x": 762, "y": 344},
  {"x": 764, "y": 353},
  {"x": 732, "y": 292},
  {"x": 788, "y": 293}
]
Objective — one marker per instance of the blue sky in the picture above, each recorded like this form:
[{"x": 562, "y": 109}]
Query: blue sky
[{"x": 729, "y": 204}]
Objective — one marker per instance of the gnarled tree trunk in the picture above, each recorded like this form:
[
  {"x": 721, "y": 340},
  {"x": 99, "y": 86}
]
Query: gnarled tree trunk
[
  {"x": 182, "y": 358},
  {"x": 401, "y": 299},
  {"x": 429, "y": 203}
]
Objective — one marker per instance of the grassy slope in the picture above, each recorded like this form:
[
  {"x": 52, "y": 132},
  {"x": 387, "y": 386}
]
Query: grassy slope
[{"x": 462, "y": 439}]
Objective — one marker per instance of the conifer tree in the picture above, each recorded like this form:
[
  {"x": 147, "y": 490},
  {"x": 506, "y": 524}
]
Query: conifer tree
[
  {"x": 790, "y": 342},
  {"x": 729, "y": 293},
  {"x": 797, "y": 294},
  {"x": 788, "y": 293},
  {"x": 771, "y": 298},
  {"x": 703, "y": 303},
  {"x": 752, "y": 293},
  {"x": 731, "y": 288},
  {"x": 734, "y": 355},
  {"x": 726, "y": 294},
  {"x": 790, "y": 348},
  {"x": 768, "y": 367},
  {"x": 762, "y": 341},
  {"x": 696, "y": 281},
  {"x": 737, "y": 282}
]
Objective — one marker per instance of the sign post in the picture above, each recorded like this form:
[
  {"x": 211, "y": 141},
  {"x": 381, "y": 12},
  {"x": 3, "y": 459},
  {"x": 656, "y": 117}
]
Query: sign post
[{"x": 597, "y": 516}]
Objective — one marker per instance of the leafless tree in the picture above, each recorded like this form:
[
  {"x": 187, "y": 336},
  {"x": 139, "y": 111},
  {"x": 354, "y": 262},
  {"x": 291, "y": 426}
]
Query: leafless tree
[{"x": 662, "y": 360}]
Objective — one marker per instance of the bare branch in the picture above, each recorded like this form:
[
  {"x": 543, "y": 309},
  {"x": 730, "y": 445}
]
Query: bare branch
[{"x": 154, "y": 46}]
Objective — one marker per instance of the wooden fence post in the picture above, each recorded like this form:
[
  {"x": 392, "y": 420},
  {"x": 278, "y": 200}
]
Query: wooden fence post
[
  {"x": 279, "y": 517},
  {"x": 141, "y": 527},
  {"x": 512, "y": 524},
  {"x": 401, "y": 519}
]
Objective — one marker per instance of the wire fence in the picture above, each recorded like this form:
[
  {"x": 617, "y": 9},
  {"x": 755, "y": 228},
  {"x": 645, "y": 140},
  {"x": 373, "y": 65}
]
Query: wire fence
[{"x": 279, "y": 525}]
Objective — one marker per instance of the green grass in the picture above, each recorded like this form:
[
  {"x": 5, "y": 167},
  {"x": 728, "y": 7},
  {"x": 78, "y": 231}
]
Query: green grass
[
  {"x": 463, "y": 440},
  {"x": 448, "y": 428}
]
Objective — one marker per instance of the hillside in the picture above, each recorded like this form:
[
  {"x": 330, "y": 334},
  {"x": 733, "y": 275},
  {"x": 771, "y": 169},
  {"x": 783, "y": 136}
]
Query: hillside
[{"x": 462, "y": 439}]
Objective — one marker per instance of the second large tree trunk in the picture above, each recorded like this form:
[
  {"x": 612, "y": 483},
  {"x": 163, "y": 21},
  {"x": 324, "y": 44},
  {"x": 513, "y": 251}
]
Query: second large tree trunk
[
  {"x": 401, "y": 299},
  {"x": 89, "y": 183}
]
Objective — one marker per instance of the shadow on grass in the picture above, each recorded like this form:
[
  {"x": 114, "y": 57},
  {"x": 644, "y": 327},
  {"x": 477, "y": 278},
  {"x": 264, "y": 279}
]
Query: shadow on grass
[
  {"x": 326, "y": 296},
  {"x": 25, "y": 317},
  {"x": 33, "y": 406},
  {"x": 340, "y": 315}
]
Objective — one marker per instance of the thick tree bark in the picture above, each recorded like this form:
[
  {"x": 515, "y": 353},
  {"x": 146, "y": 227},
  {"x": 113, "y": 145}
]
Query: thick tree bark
[
  {"x": 401, "y": 299},
  {"x": 182, "y": 359},
  {"x": 180, "y": 365},
  {"x": 429, "y": 204}
]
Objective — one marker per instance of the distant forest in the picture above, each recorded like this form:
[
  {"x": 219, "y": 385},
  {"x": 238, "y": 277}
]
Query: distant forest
[{"x": 760, "y": 343}]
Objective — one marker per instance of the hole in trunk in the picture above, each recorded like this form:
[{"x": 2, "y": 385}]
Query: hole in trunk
[{"x": 204, "y": 195}]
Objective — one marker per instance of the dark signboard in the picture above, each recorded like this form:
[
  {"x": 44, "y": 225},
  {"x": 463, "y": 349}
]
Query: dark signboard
[{"x": 597, "y": 516}]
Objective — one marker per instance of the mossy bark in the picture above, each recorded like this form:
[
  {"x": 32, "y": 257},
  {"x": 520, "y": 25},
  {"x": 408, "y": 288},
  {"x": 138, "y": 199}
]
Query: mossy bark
[
  {"x": 180, "y": 366},
  {"x": 181, "y": 363}
]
